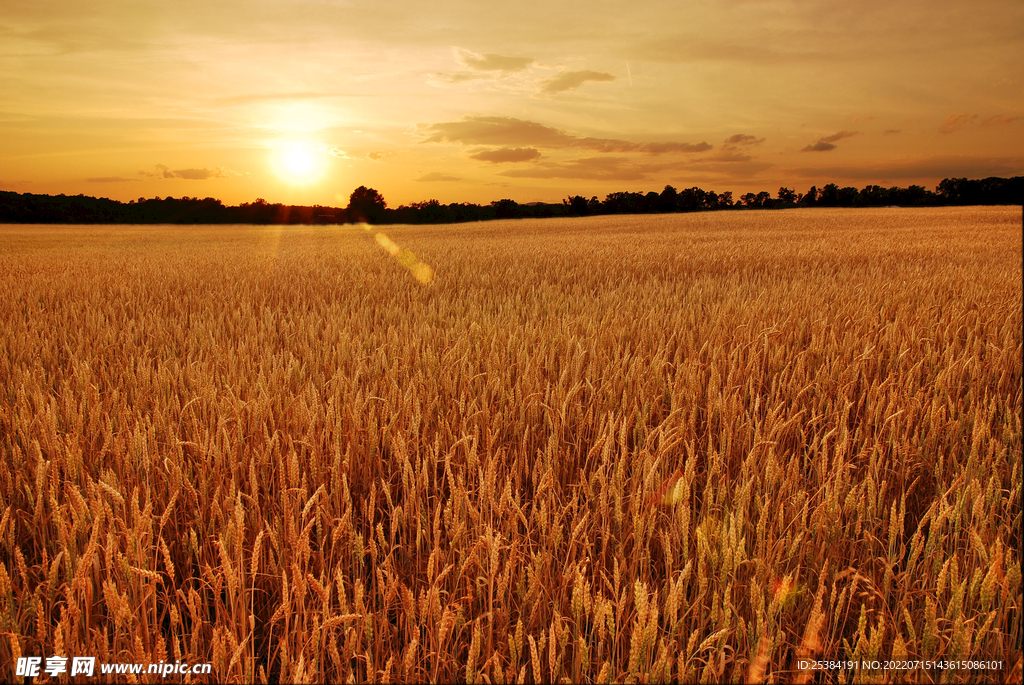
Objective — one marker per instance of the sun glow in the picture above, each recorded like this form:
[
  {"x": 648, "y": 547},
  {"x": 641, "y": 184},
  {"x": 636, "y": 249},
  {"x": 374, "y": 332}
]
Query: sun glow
[{"x": 299, "y": 164}]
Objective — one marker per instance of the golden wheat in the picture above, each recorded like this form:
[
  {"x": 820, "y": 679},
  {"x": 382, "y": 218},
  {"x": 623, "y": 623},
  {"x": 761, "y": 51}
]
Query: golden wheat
[{"x": 688, "y": 447}]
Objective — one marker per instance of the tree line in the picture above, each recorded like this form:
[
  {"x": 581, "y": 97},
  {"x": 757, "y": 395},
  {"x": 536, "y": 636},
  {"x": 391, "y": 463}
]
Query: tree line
[{"x": 367, "y": 204}]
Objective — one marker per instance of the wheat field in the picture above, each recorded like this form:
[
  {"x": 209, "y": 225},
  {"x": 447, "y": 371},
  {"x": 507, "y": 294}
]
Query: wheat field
[{"x": 707, "y": 447}]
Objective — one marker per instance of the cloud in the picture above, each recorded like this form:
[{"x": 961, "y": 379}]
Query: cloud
[
  {"x": 617, "y": 168},
  {"x": 1000, "y": 119},
  {"x": 820, "y": 146},
  {"x": 493, "y": 62},
  {"x": 955, "y": 122},
  {"x": 590, "y": 168},
  {"x": 334, "y": 152},
  {"x": 511, "y": 132},
  {"x": 164, "y": 171},
  {"x": 507, "y": 154},
  {"x": 488, "y": 130},
  {"x": 728, "y": 154},
  {"x": 484, "y": 66},
  {"x": 571, "y": 80},
  {"x": 108, "y": 179},
  {"x": 741, "y": 140},
  {"x": 437, "y": 176},
  {"x": 934, "y": 167},
  {"x": 194, "y": 174},
  {"x": 891, "y": 131},
  {"x": 827, "y": 143},
  {"x": 661, "y": 148}
]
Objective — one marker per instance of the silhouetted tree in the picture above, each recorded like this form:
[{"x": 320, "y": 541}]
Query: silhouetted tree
[
  {"x": 578, "y": 204},
  {"x": 668, "y": 200},
  {"x": 786, "y": 195},
  {"x": 810, "y": 198},
  {"x": 505, "y": 209},
  {"x": 829, "y": 196},
  {"x": 366, "y": 204}
]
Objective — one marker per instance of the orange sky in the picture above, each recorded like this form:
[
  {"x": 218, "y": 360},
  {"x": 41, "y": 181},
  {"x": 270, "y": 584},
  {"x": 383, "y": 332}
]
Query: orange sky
[{"x": 302, "y": 101}]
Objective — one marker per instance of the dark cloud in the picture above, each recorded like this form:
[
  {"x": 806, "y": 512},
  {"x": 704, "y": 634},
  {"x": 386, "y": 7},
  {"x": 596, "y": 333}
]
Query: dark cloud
[
  {"x": 507, "y": 154},
  {"x": 742, "y": 140},
  {"x": 437, "y": 176},
  {"x": 820, "y": 146},
  {"x": 661, "y": 148},
  {"x": 493, "y": 62},
  {"x": 571, "y": 80},
  {"x": 511, "y": 132},
  {"x": 839, "y": 136},
  {"x": 109, "y": 179},
  {"x": 955, "y": 122},
  {"x": 1000, "y": 119},
  {"x": 827, "y": 143}
]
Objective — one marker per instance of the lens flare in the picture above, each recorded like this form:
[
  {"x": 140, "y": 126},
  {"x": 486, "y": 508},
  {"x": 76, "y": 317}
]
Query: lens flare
[{"x": 421, "y": 271}]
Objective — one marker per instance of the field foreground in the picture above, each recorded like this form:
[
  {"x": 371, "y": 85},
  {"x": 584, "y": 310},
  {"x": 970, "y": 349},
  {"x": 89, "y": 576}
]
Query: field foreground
[{"x": 685, "y": 447}]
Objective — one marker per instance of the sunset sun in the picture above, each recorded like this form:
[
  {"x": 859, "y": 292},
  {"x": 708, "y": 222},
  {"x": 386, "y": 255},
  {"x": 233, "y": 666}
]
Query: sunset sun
[{"x": 298, "y": 164}]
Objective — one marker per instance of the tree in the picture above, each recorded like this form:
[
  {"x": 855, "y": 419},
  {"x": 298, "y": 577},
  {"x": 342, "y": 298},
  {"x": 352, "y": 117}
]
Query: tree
[
  {"x": 810, "y": 198},
  {"x": 366, "y": 204},
  {"x": 505, "y": 209},
  {"x": 787, "y": 194},
  {"x": 829, "y": 196},
  {"x": 668, "y": 199},
  {"x": 578, "y": 204}
]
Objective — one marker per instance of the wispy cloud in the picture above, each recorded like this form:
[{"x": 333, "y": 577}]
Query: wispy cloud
[
  {"x": 164, "y": 171},
  {"x": 512, "y": 132},
  {"x": 493, "y": 62},
  {"x": 955, "y": 122},
  {"x": 933, "y": 166},
  {"x": 619, "y": 168},
  {"x": 484, "y": 66},
  {"x": 507, "y": 154},
  {"x": 437, "y": 176},
  {"x": 591, "y": 168},
  {"x": 571, "y": 80},
  {"x": 827, "y": 143}
]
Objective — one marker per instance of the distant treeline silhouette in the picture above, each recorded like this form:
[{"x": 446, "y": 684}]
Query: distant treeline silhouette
[{"x": 366, "y": 204}]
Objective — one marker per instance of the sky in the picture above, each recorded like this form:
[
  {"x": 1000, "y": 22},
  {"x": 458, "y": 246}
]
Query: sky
[{"x": 301, "y": 101}]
